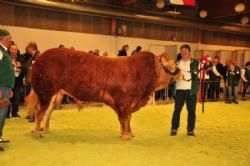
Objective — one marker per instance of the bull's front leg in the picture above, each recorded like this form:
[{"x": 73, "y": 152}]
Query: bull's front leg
[{"x": 126, "y": 133}]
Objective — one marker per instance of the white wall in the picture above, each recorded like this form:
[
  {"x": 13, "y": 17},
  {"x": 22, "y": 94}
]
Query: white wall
[{"x": 82, "y": 41}]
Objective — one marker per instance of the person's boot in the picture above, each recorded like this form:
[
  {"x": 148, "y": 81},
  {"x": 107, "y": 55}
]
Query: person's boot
[
  {"x": 173, "y": 132},
  {"x": 190, "y": 133}
]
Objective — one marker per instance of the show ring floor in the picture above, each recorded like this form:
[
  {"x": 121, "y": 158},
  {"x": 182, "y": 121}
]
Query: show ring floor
[{"x": 91, "y": 138}]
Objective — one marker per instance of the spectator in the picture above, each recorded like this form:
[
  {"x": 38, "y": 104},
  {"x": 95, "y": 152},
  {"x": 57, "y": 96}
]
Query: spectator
[
  {"x": 18, "y": 64},
  {"x": 233, "y": 78},
  {"x": 245, "y": 75},
  {"x": 31, "y": 54},
  {"x": 138, "y": 49},
  {"x": 7, "y": 77},
  {"x": 105, "y": 54},
  {"x": 123, "y": 51},
  {"x": 61, "y": 46},
  {"x": 91, "y": 52},
  {"x": 225, "y": 69},
  {"x": 214, "y": 78},
  {"x": 96, "y": 52}
]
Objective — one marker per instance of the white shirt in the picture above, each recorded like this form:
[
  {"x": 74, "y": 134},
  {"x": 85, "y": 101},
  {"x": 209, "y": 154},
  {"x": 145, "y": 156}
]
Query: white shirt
[
  {"x": 1, "y": 53},
  {"x": 185, "y": 70}
]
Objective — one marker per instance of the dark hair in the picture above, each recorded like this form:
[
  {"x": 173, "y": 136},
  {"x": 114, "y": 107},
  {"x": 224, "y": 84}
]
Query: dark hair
[
  {"x": 32, "y": 45},
  {"x": 186, "y": 46},
  {"x": 61, "y": 46},
  {"x": 138, "y": 48},
  {"x": 247, "y": 63},
  {"x": 124, "y": 46}
]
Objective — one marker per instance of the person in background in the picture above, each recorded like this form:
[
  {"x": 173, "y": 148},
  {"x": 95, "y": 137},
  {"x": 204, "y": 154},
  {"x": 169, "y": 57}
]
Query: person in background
[
  {"x": 207, "y": 69},
  {"x": 219, "y": 68},
  {"x": 233, "y": 78},
  {"x": 138, "y": 49},
  {"x": 225, "y": 69},
  {"x": 7, "y": 78},
  {"x": 214, "y": 78},
  {"x": 32, "y": 54},
  {"x": 123, "y": 51},
  {"x": 96, "y": 52},
  {"x": 185, "y": 91},
  {"x": 18, "y": 64},
  {"x": 91, "y": 52},
  {"x": 61, "y": 46},
  {"x": 105, "y": 54},
  {"x": 245, "y": 76}
]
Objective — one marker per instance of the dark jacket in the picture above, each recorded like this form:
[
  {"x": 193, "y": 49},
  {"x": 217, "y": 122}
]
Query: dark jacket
[
  {"x": 122, "y": 53},
  {"x": 233, "y": 76}
]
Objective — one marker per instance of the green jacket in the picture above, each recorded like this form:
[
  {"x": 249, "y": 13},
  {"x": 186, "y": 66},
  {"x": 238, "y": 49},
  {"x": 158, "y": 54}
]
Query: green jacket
[
  {"x": 194, "y": 66},
  {"x": 7, "y": 74},
  {"x": 233, "y": 77}
]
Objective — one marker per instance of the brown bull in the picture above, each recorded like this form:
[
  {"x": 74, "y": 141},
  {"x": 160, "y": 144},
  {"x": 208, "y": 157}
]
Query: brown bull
[{"x": 124, "y": 83}]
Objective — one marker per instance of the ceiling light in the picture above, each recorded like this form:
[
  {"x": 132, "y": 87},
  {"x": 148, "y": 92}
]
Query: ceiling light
[
  {"x": 244, "y": 20},
  {"x": 203, "y": 14},
  {"x": 239, "y": 7},
  {"x": 160, "y": 4}
]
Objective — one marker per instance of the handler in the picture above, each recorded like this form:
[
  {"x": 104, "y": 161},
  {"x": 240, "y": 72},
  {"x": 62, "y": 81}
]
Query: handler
[{"x": 186, "y": 91}]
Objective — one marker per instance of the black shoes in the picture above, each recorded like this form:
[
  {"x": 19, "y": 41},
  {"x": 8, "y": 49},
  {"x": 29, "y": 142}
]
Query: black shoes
[
  {"x": 190, "y": 133},
  {"x": 234, "y": 101},
  {"x": 16, "y": 116},
  {"x": 231, "y": 101},
  {"x": 173, "y": 132},
  {"x": 4, "y": 141}
]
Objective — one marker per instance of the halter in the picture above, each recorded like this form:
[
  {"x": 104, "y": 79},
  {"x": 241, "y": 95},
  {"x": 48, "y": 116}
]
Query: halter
[{"x": 166, "y": 69}]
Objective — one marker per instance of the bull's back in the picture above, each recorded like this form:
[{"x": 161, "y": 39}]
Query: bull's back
[{"x": 86, "y": 76}]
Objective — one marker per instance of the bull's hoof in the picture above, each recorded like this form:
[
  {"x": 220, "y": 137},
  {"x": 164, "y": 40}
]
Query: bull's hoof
[
  {"x": 125, "y": 137},
  {"x": 36, "y": 134}
]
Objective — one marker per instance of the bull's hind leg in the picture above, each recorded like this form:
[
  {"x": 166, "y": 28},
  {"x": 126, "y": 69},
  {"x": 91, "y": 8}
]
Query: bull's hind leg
[
  {"x": 39, "y": 116},
  {"x": 55, "y": 101}
]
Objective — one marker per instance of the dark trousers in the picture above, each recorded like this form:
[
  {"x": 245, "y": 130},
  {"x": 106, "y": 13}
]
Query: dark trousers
[
  {"x": 245, "y": 86},
  {"x": 14, "y": 107},
  {"x": 214, "y": 89},
  {"x": 181, "y": 97}
]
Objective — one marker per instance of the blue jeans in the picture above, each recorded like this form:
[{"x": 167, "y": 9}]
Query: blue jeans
[{"x": 3, "y": 111}]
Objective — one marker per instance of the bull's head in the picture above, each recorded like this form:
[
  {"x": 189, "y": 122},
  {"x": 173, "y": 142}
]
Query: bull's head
[{"x": 170, "y": 67}]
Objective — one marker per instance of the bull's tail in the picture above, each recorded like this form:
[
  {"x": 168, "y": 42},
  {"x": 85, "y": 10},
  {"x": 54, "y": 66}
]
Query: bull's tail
[{"x": 33, "y": 104}]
